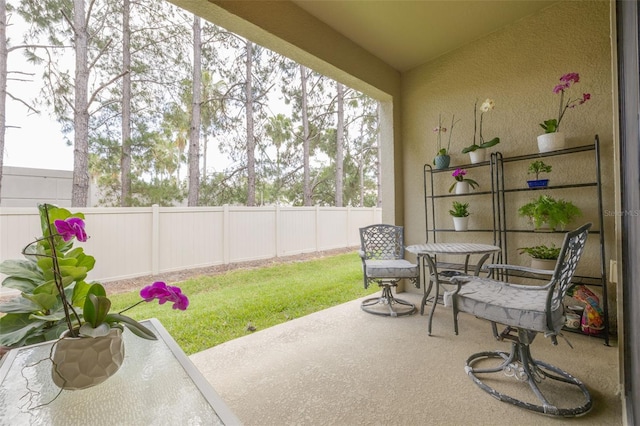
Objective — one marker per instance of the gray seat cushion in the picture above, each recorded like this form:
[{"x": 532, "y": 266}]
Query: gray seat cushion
[
  {"x": 509, "y": 304},
  {"x": 398, "y": 268}
]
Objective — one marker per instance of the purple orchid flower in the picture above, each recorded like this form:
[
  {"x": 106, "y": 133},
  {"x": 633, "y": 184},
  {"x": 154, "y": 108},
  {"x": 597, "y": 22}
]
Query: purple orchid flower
[
  {"x": 72, "y": 227},
  {"x": 165, "y": 293},
  {"x": 458, "y": 174}
]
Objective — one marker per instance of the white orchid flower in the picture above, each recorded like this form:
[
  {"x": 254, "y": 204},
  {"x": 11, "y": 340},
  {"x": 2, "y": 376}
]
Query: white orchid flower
[{"x": 487, "y": 105}]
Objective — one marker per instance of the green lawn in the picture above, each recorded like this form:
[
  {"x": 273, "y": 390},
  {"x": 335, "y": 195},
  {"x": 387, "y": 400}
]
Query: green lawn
[{"x": 222, "y": 306}]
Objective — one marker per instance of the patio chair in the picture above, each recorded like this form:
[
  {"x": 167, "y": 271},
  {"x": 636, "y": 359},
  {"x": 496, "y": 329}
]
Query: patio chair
[
  {"x": 526, "y": 311},
  {"x": 382, "y": 254}
]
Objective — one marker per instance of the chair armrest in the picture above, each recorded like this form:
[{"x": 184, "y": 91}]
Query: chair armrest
[
  {"x": 505, "y": 267},
  {"x": 361, "y": 254}
]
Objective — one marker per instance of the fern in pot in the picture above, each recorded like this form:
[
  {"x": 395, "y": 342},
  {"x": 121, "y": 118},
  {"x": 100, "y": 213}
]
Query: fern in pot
[
  {"x": 542, "y": 256},
  {"x": 546, "y": 210}
]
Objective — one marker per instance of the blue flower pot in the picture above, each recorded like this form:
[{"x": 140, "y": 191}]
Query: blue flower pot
[
  {"x": 540, "y": 183},
  {"x": 442, "y": 161}
]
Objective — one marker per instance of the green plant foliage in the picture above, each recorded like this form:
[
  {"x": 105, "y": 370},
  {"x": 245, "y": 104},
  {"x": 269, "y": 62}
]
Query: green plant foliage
[
  {"x": 547, "y": 210},
  {"x": 541, "y": 252},
  {"x": 538, "y": 167},
  {"x": 459, "y": 209}
]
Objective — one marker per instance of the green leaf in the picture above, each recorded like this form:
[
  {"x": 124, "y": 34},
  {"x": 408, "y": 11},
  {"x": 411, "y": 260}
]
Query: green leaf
[
  {"x": 470, "y": 149},
  {"x": 24, "y": 269},
  {"x": 96, "y": 305},
  {"x": 133, "y": 325},
  {"x": 16, "y": 328},
  {"x": 489, "y": 144},
  {"x": 19, "y": 305},
  {"x": 44, "y": 300},
  {"x": 80, "y": 291},
  {"x": 21, "y": 284}
]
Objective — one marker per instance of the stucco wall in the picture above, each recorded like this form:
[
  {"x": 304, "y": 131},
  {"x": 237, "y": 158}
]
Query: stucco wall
[{"x": 518, "y": 67}]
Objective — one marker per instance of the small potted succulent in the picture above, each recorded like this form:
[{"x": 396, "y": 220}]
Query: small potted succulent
[
  {"x": 536, "y": 168},
  {"x": 546, "y": 210},
  {"x": 460, "y": 213},
  {"x": 542, "y": 256}
]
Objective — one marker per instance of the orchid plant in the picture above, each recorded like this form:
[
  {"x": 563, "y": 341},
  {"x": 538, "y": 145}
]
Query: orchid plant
[
  {"x": 487, "y": 105},
  {"x": 54, "y": 294},
  {"x": 553, "y": 125},
  {"x": 440, "y": 130},
  {"x": 459, "y": 176}
]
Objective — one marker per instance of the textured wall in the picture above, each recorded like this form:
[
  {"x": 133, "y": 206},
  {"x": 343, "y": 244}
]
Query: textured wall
[{"x": 518, "y": 67}]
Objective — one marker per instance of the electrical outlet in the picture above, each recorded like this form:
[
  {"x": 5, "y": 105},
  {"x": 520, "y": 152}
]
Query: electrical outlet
[{"x": 613, "y": 271}]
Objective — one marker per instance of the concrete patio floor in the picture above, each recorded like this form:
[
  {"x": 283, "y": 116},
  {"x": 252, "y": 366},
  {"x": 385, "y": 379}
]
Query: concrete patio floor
[{"x": 342, "y": 366}]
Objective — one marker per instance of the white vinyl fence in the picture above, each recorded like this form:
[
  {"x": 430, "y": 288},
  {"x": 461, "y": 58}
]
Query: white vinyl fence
[{"x": 132, "y": 242}]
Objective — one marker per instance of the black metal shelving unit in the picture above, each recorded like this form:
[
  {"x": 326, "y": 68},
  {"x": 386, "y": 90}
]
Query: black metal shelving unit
[{"x": 501, "y": 207}]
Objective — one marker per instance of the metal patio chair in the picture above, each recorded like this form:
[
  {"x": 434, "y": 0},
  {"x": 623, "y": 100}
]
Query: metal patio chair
[
  {"x": 526, "y": 311},
  {"x": 382, "y": 254}
]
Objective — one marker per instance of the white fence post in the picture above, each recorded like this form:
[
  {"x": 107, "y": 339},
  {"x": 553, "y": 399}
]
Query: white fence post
[
  {"x": 155, "y": 239},
  {"x": 226, "y": 240},
  {"x": 317, "y": 226},
  {"x": 277, "y": 231}
]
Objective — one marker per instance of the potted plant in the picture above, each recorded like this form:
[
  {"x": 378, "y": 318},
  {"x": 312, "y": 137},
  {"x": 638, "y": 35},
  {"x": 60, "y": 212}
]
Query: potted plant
[
  {"x": 546, "y": 210},
  {"x": 461, "y": 183},
  {"x": 460, "y": 213},
  {"x": 536, "y": 168},
  {"x": 442, "y": 159},
  {"x": 477, "y": 152},
  {"x": 553, "y": 139},
  {"x": 56, "y": 303},
  {"x": 542, "y": 256}
]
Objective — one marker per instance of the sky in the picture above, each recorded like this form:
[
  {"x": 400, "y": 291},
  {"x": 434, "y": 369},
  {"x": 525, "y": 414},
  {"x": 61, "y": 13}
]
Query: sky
[{"x": 31, "y": 140}]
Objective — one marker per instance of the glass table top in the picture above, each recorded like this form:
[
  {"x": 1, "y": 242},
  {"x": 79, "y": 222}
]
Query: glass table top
[{"x": 156, "y": 385}]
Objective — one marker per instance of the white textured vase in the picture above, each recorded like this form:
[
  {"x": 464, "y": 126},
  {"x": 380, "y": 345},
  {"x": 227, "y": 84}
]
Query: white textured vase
[
  {"x": 545, "y": 264},
  {"x": 82, "y": 362},
  {"x": 478, "y": 156},
  {"x": 551, "y": 142},
  {"x": 460, "y": 223},
  {"x": 462, "y": 187}
]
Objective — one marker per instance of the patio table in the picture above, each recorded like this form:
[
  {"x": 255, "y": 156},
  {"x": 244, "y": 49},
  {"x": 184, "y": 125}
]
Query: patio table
[
  {"x": 428, "y": 253},
  {"x": 156, "y": 384}
]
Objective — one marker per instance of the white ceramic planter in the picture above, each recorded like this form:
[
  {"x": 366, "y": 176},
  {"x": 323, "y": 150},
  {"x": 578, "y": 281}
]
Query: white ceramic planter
[
  {"x": 545, "y": 264},
  {"x": 478, "y": 156},
  {"x": 462, "y": 187},
  {"x": 551, "y": 142},
  {"x": 82, "y": 362},
  {"x": 460, "y": 223}
]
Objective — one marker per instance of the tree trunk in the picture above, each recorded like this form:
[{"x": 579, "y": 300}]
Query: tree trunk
[
  {"x": 196, "y": 104},
  {"x": 80, "y": 189},
  {"x": 125, "y": 159},
  {"x": 3, "y": 81},
  {"x": 305, "y": 137},
  {"x": 340, "y": 147},
  {"x": 251, "y": 144}
]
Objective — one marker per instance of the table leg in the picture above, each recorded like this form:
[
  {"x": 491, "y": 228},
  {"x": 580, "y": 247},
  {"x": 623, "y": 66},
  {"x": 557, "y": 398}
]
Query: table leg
[
  {"x": 425, "y": 289},
  {"x": 433, "y": 272}
]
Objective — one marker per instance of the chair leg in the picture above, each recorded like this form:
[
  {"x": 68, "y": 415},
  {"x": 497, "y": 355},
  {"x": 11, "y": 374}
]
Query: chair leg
[
  {"x": 390, "y": 302},
  {"x": 520, "y": 365}
]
